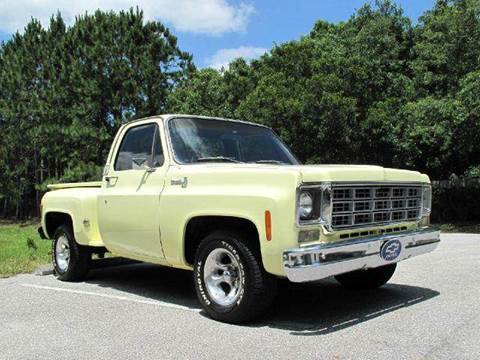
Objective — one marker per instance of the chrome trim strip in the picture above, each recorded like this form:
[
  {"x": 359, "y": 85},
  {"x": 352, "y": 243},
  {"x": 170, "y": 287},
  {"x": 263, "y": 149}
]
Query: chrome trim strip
[{"x": 320, "y": 261}]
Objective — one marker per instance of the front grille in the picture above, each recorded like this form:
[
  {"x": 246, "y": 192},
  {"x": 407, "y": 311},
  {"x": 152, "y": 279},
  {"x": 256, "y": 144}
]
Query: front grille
[{"x": 364, "y": 205}]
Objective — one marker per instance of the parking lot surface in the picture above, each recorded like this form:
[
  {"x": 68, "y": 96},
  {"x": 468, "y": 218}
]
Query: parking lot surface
[{"x": 430, "y": 309}]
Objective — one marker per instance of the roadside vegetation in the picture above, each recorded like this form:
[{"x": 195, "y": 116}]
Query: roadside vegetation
[
  {"x": 21, "y": 249},
  {"x": 468, "y": 228}
]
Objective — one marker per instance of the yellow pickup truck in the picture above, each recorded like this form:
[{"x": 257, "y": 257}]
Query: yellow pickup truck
[{"x": 228, "y": 200}]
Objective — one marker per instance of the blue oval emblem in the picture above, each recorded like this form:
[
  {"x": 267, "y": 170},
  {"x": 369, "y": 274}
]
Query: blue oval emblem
[{"x": 391, "y": 250}]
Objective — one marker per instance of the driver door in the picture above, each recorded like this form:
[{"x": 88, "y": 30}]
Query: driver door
[{"x": 128, "y": 206}]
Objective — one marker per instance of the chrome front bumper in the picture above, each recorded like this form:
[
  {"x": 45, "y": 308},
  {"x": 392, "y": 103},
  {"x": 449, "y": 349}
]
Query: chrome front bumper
[{"x": 321, "y": 261}]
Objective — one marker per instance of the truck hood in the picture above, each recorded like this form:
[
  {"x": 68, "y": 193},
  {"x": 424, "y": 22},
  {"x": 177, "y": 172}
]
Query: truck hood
[
  {"x": 358, "y": 173},
  {"x": 310, "y": 173}
]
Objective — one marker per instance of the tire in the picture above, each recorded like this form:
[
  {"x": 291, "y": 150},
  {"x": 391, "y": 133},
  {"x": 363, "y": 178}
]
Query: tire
[
  {"x": 367, "y": 279},
  {"x": 73, "y": 262},
  {"x": 225, "y": 262}
]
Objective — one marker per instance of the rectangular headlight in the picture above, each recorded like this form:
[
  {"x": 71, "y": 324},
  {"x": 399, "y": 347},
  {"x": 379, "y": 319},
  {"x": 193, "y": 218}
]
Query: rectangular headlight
[{"x": 314, "y": 204}]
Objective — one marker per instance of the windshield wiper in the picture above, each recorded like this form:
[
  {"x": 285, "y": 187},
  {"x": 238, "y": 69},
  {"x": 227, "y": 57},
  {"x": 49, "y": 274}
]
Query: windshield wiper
[
  {"x": 269, "y": 162},
  {"x": 218, "y": 159}
]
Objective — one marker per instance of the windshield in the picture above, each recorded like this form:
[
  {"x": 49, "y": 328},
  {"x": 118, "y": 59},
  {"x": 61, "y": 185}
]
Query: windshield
[{"x": 206, "y": 140}]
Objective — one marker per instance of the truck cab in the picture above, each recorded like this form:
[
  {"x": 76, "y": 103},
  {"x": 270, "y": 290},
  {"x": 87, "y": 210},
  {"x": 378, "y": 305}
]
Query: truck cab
[{"x": 228, "y": 200}]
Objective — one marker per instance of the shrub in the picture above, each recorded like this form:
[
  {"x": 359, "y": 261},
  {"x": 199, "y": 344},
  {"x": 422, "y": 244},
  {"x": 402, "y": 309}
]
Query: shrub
[{"x": 456, "y": 200}]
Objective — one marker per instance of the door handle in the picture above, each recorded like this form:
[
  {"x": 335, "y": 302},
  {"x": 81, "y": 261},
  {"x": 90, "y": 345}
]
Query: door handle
[{"x": 108, "y": 178}]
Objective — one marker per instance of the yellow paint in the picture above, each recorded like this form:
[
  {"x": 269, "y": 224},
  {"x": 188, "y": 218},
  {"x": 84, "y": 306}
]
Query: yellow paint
[{"x": 143, "y": 216}]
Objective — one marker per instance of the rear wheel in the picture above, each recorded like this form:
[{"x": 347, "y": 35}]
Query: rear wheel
[
  {"x": 367, "y": 279},
  {"x": 230, "y": 281},
  {"x": 70, "y": 260}
]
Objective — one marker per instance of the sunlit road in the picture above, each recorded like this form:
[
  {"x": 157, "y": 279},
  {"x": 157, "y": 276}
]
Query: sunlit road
[{"x": 430, "y": 309}]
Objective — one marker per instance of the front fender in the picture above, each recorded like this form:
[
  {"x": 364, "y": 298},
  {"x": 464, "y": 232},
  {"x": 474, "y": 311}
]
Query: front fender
[{"x": 177, "y": 209}]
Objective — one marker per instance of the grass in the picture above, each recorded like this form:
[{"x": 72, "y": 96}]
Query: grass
[
  {"x": 21, "y": 249},
  {"x": 473, "y": 228}
]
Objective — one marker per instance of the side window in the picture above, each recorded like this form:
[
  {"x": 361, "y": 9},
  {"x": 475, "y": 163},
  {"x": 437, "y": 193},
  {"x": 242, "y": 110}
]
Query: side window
[{"x": 137, "y": 147}]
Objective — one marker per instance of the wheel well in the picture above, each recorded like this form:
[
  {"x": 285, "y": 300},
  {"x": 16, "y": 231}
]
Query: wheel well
[
  {"x": 54, "y": 219},
  {"x": 201, "y": 226}
]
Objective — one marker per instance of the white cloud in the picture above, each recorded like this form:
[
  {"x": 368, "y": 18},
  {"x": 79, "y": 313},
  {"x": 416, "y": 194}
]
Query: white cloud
[
  {"x": 224, "y": 56},
  {"x": 198, "y": 16}
]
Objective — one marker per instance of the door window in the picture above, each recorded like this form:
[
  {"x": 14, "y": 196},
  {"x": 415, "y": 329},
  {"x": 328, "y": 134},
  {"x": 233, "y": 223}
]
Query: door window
[{"x": 140, "y": 147}]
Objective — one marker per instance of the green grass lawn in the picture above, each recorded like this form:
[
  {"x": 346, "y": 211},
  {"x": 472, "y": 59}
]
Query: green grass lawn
[{"x": 21, "y": 249}]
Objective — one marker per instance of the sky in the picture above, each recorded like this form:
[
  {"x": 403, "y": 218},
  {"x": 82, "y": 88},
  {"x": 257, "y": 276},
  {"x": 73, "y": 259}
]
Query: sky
[{"x": 214, "y": 31}]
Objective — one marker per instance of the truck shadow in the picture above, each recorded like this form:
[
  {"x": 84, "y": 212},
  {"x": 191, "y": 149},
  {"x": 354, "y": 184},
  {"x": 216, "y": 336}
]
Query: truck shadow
[
  {"x": 324, "y": 307},
  {"x": 309, "y": 309}
]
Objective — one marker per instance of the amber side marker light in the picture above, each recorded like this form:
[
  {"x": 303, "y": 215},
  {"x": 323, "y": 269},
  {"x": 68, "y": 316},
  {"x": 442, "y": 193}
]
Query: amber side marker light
[{"x": 268, "y": 225}]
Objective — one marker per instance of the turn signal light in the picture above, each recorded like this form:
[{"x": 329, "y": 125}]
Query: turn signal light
[{"x": 268, "y": 225}]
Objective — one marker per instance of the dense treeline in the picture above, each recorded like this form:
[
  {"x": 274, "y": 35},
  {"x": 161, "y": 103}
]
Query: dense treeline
[
  {"x": 375, "y": 89},
  {"x": 65, "y": 91}
]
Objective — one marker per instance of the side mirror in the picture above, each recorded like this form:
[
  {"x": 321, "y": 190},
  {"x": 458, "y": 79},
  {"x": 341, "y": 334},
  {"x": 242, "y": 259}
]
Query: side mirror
[{"x": 139, "y": 161}]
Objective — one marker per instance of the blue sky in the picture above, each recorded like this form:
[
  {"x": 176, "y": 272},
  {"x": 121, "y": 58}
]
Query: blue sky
[{"x": 214, "y": 31}]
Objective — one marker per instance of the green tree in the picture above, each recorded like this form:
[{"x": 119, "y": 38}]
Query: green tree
[
  {"x": 446, "y": 46},
  {"x": 374, "y": 66},
  {"x": 306, "y": 108},
  {"x": 201, "y": 94},
  {"x": 429, "y": 136},
  {"x": 466, "y": 140},
  {"x": 210, "y": 92},
  {"x": 121, "y": 68},
  {"x": 65, "y": 91}
]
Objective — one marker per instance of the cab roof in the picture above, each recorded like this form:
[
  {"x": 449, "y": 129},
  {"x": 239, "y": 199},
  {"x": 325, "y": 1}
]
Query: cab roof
[{"x": 166, "y": 117}]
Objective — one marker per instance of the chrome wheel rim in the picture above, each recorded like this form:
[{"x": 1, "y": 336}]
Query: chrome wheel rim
[
  {"x": 223, "y": 277},
  {"x": 62, "y": 253}
]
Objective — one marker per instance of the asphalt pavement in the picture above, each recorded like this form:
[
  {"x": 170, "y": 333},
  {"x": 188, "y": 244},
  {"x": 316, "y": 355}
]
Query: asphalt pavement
[{"x": 429, "y": 310}]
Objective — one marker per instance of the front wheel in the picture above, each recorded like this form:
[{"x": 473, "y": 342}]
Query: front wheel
[
  {"x": 70, "y": 260},
  {"x": 230, "y": 281},
  {"x": 367, "y": 279}
]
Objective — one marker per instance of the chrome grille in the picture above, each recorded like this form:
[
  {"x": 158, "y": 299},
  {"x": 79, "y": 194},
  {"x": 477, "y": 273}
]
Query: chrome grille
[{"x": 364, "y": 205}]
